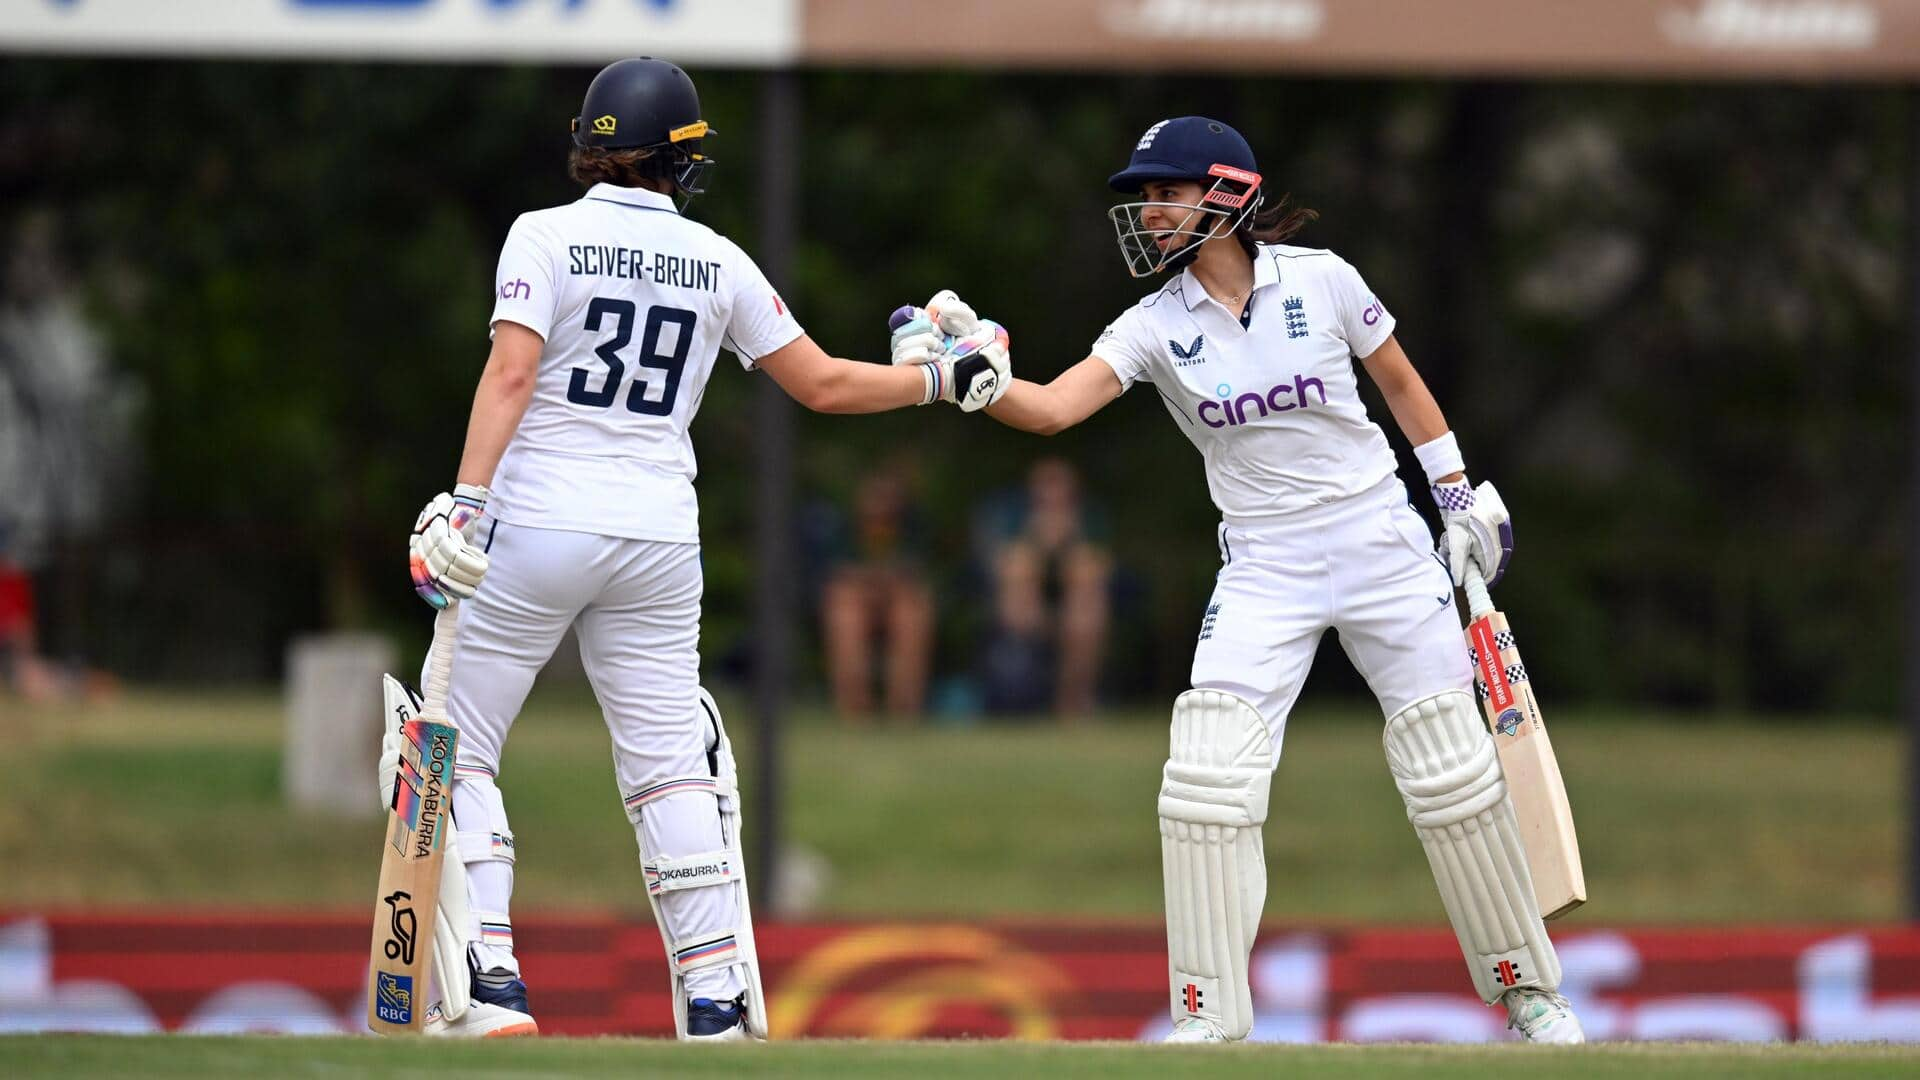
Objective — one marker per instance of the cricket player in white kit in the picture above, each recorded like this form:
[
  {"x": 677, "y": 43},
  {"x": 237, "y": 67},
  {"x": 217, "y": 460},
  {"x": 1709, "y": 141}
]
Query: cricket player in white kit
[
  {"x": 575, "y": 500},
  {"x": 1250, "y": 346}
]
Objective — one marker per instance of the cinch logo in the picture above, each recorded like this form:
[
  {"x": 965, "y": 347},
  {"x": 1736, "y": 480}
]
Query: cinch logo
[
  {"x": 517, "y": 289},
  {"x": 1373, "y": 313},
  {"x": 1233, "y": 411}
]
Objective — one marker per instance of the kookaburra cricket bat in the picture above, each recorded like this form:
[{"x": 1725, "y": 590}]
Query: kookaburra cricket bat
[
  {"x": 414, "y": 848},
  {"x": 1526, "y": 756}
]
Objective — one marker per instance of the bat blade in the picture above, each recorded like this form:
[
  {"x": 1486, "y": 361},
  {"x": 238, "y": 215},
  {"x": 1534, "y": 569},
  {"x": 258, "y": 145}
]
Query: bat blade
[
  {"x": 1534, "y": 783},
  {"x": 408, "y": 899}
]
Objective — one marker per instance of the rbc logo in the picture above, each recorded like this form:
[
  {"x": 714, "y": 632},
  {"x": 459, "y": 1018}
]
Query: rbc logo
[
  {"x": 517, "y": 289},
  {"x": 1233, "y": 411},
  {"x": 394, "y": 998}
]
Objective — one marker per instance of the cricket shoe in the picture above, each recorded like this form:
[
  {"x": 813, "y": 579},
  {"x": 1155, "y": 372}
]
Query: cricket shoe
[
  {"x": 716, "y": 1021},
  {"x": 1193, "y": 1029},
  {"x": 1542, "y": 1016},
  {"x": 498, "y": 1010}
]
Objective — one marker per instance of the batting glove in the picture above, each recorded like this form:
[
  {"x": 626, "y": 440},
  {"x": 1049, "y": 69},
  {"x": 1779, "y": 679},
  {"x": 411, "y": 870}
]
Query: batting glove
[
  {"x": 922, "y": 335},
  {"x": 1477, "y": 530},
  {"x": 445, "y": 563},
  {"x": 981, "y": 368}
]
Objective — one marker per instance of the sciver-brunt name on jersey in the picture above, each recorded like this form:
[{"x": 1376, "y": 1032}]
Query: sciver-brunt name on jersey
[{"x": 658, "y": 267}]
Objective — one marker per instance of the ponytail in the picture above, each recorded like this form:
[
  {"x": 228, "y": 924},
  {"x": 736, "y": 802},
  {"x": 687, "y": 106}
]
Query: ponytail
[{"x": 1274, "y": 224}]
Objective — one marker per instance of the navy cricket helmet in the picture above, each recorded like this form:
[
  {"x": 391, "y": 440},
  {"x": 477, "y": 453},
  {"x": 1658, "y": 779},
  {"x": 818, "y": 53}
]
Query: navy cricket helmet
[
  {"x": 1185, "y": 148},
  {"x": 646, "y": 103}
]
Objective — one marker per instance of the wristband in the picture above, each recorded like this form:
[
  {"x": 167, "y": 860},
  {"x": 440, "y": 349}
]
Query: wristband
[{"x": 1440, "y": 457}]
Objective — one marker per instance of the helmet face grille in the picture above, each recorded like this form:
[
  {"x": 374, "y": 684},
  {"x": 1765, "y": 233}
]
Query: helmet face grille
[{"x": 1197, "y": 223}]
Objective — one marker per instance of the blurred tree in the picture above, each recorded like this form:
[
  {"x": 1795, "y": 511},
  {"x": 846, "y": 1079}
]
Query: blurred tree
[{"x": 1665, "y": 318}]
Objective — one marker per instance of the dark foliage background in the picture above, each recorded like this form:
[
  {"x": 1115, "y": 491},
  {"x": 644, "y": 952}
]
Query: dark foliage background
[{"x": 1668, "y": 320}]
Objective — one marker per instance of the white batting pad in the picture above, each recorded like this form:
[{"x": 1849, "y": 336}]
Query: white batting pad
[
  {"x": 1444, "y": 763},
  {"x": 721, "y": 869},
  {"x": 1213, "y": 798}
]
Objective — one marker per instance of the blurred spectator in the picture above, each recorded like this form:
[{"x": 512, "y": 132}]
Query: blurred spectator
[
  {"x": 876, "y": 600},
  {"x": 1050, "y": 571}
]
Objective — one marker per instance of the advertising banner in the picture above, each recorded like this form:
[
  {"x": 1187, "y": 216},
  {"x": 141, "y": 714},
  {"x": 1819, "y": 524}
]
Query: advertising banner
[
  {"x": 1817, "y": 39},
  {"x": 1540, "y": 38},
  {"x": 712, "y": 32},
  {"x": 1056, "y": 980}
]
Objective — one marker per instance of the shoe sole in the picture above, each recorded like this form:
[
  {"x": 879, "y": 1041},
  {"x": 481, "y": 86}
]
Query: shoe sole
[{"x": 513, "y": 1031}]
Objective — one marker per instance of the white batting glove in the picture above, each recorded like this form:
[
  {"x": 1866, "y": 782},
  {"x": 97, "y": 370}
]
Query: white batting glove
[
  {"x": 445, "y": 563},
  {"x": 1477, "y": 530},
  {"x": 980, "y": 369},
  {"x": 922, "y": 335}
]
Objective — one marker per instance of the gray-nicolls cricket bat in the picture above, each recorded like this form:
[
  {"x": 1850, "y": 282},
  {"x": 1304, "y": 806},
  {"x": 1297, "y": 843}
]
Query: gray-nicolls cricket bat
[
  {"x": 415, "y": 847},
  {"x": 1526, "y": 755}
]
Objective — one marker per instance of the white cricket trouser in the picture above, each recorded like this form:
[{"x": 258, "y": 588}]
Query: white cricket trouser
[
  {"x": 1364, "y": 566},
  {"x": 635, "y": 605}
]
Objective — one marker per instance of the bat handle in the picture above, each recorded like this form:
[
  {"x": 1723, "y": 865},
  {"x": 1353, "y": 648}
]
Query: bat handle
[
  {"x": 1479, "y": 601},
  {"x": 440, "y": 661}
]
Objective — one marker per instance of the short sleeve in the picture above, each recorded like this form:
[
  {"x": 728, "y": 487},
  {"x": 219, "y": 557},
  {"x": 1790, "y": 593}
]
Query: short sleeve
[
  {"x": 1128, "y": 346},
  {"x": 524, "y": 287},
  {"x": 1364, "y": 320},
  {"x": 760, "y": 321}
]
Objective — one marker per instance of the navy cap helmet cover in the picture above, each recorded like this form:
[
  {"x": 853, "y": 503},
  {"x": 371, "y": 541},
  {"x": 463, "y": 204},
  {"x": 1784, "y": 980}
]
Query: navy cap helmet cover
[
  {"x": 1184, "y": 148},
  {"x": 645, "y": 102}
]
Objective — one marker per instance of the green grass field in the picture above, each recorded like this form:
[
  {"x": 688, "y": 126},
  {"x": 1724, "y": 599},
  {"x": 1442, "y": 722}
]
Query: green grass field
[
  {"x": 183, "y": 1056},
  {"x": 169, "y": 799}
]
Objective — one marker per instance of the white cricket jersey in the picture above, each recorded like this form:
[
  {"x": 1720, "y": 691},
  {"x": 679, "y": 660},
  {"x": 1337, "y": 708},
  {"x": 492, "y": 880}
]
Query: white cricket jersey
[
  {"x": 634, "y": 303},
  {"x": 1274, "y": 407}
]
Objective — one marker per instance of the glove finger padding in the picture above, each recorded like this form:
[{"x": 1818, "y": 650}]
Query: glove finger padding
[
  {"x": 915, "y": 339},
  {"x": 1480, "y": 533},
  {"x": 953, "y": 315},
  {"x": 443, "y": 562}
]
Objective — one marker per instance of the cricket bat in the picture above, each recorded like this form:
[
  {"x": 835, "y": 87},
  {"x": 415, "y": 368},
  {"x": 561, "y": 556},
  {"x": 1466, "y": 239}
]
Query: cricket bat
[
  {"x": 1526, "y": 756},
  {"x": 416, "y": 844}
]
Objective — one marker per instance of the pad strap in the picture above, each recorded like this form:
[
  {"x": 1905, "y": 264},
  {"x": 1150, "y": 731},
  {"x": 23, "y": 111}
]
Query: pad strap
[
  {"x": 679, "y": 785},
  {"x": 709, "y": 951}
]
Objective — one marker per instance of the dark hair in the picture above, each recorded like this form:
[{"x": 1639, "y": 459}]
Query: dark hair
[
  {"x": 639, "y": 166},
  {"x": 1274, "y": 224}
]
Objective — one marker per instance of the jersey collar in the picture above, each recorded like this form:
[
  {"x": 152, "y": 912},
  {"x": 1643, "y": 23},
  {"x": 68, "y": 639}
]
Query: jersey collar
[
  {"x": 1266, "y": 271},
  {"x": 632, "y": 196}
]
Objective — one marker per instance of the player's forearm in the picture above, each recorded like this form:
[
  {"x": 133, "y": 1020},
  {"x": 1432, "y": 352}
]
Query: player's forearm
[
  {"x": 498, "y": 404},
  {"x": 1407, "y": 396},
  {"x": 852, "y": 386},
  {"x": 1032, "y": 407}
]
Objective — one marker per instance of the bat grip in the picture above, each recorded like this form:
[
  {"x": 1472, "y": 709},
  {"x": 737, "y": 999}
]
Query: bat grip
[
  {"x": 1479, "y": 601},
  {"x": 440, "y": 661}
]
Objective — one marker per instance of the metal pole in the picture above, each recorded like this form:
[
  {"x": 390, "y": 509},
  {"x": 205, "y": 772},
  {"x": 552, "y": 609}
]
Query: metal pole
[
  {"x": 773, "y": 600},
  {"x": 1913, "y": 505}
]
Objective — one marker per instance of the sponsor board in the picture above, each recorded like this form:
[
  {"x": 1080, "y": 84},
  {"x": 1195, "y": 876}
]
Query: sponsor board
[{"x": 1039, "y": 980}]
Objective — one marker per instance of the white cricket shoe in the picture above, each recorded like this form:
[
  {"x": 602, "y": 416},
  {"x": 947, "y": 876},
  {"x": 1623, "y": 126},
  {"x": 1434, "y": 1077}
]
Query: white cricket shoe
[
  {"x": 481, "y": 1021},
  {"x": 1193, "y": 1029},
  {"x": 1542, "y": 1016}
]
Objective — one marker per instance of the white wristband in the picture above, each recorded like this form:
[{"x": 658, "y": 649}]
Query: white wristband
[
  {"x": 931, "y": 373},
  {"x": 1440, "y": 457}
]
